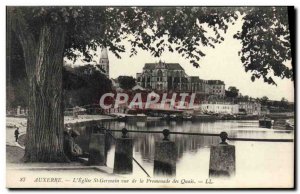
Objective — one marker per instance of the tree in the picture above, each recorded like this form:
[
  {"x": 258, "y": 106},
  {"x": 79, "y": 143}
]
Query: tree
[
  {"x": 284, "y": 103},
  {"x": 266, "y": 43},
  {"x": 126, "y": 82},
  {"x": 246, "y": 98},
  {"x": 47, "y": 34},
  {"x": 86, "y": 80},
  {"x": 232, "y": 92},
  {"x": 264, "y": 100},
  {"x": 17, "y": 84}
]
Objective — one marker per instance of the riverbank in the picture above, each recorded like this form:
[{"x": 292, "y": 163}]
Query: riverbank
[
  {"x": 15, "y": 152},
  {"x": 21, "y": 122},
  {"x": 193, "y": 153}
]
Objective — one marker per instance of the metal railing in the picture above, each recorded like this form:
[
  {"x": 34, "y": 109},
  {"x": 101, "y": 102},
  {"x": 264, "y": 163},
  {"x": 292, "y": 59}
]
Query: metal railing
[
  {"x": 223, "y": 135},
  {"x": 207, "y": 134}
]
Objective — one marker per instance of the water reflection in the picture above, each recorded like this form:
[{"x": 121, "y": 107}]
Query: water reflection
[{"x": 144, "y": 142}]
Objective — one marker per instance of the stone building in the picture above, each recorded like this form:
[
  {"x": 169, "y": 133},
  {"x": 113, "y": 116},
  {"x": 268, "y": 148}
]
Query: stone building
[
  {"x": 220, "y": 108},
  {"x": 216, "y": 87},
  {"x": 250, "y": 108},
  {"x": 163, "y": 76},
  {"x": 104, "y": 62}
]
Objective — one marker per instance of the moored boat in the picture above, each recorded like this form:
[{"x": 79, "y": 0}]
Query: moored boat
[{"x": 265, "y": 123}]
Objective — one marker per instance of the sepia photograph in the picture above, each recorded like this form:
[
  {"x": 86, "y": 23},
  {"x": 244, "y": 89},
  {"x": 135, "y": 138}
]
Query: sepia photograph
[{"x": 150, "y": 97}]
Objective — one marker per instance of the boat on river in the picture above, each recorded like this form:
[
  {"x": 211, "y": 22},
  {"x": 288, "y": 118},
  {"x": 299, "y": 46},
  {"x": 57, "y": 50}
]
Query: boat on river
[
  {"x": 265, "y": 123},
  {"x": 283, "y": 124}
]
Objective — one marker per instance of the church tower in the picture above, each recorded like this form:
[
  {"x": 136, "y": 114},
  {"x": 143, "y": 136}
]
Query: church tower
[{"x": 104, "y": 62}]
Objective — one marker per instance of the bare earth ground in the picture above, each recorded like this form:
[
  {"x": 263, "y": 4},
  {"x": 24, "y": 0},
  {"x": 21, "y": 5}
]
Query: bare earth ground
[
  {"x": 15, "y": 152},
  {"x": 14, "y": 149},
  {"x": 13, "y": 122}
]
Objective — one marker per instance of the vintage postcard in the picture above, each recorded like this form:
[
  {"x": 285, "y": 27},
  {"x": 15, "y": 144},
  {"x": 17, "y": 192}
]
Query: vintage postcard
[{"x": 150, "y": 97}]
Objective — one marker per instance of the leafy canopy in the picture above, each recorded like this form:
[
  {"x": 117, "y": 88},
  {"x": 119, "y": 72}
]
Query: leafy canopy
[
  {"x": 264, "y": 36},
  {"x": 85, "y": 80},
  {"x": 126, "y": 82},
  {"x": 232, "y": 92}
]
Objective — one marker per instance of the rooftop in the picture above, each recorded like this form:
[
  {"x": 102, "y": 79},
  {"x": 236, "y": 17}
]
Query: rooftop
[
  {"x": 215, "y": 82},
  {"x": 169, "y": 66}
]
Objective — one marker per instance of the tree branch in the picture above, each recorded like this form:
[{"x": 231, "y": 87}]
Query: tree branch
[{"x": 21, "y": 28}]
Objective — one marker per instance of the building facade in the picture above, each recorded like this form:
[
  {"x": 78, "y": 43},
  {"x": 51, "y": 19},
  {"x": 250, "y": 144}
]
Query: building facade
[
  {"x": 250, "y": 108},
  {"x": 104, "y": 62},
  {"x": 216, "y": 87},
  {"x": 220, "y": 108},
  {"x": 163, "y": 76}
]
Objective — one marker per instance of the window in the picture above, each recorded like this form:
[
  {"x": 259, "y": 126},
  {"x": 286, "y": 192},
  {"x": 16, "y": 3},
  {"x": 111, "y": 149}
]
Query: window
[{"x": 159, "y": 75}]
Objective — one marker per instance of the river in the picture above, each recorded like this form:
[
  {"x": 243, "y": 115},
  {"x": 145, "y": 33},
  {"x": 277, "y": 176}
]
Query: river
[{"x": 266, "y": 162}]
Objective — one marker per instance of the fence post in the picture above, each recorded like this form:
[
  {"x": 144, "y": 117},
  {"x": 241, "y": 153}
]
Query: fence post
[
  {"x": 123, "y": 154},
  {"x": 165, "y": 156},
  {"x": 97, "y": 149},
  {"x": 222, "y": 158}
]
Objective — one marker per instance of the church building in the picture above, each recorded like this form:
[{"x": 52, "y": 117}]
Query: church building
[
  {"x": 163, "y": 76},
  {"x": 104, "y": 62}
]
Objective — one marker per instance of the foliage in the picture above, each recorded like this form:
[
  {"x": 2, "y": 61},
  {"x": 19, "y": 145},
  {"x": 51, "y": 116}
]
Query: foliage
[
  {"x": 232, "y": 92},
  {"x": 17, "y": 94},
  {"x": 16, "y": 80},
  {"x": 84, "y": 85},
  {"x": 47, "y": 34},
  {"x": 266, "y": 46},
  {"x": 265, "y": 33},
  {"x": 280, "y": 106},
  {"x": 264, "y": 100},
  {"x": 88, "y": 27},
  {"x": 284, "y": 102},
  {"x": 245, "y": 98},
  {"x": 126, "y": 82}
]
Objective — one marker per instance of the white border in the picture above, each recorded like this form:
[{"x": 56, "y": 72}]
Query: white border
[{"x": 4, "y": 3}]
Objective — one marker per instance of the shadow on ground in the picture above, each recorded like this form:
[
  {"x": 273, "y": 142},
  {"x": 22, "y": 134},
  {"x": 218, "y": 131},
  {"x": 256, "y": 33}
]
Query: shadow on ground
[
  {"x": 21, "y": 140},
  {"x": 14, "y": 154}
]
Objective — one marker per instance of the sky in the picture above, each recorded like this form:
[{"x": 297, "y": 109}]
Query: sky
[{"x": 221, "y": 62}]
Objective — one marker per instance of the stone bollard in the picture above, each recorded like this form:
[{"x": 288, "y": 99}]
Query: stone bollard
[
  {"x": 165, "y": 156},
  {"x": 222, "y": 159},
  {"x": 123, "y": 154},
  {"x": 97, "y": 150}
]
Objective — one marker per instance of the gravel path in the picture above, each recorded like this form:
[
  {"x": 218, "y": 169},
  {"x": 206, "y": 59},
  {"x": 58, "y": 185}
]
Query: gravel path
[{"x": 16, "y": 149}]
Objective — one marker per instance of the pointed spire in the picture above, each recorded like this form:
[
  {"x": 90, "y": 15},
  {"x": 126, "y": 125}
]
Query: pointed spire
[{"x": 104, "y": 54}]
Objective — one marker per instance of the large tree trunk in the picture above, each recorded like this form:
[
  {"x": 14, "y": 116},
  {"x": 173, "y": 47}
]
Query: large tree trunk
[
  {"x": 44, "y": 138},
  {"x": 43, "y": 54}
]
